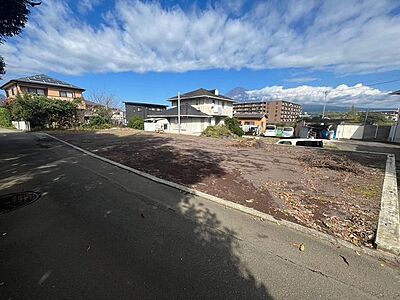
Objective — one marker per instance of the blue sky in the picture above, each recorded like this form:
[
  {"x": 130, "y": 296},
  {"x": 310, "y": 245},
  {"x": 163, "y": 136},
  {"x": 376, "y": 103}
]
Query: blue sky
[{"x": 147, "y": 50}]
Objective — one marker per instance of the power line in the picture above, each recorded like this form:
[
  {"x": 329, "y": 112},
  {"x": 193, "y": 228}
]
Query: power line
[
  {"x": 367, "y": 85},
  {"x": 378, "y": 83}
]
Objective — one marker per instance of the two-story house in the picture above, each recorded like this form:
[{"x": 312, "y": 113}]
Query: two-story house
[
  {"x": 141, "y": 110},
  {"x": 198, "y": 109},
  {"x": 43, "y": 85}
]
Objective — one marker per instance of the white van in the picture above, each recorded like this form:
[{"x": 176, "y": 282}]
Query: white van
[
  {"x": 270, "y": 130},
  {"x": 302, "y": 142},
  {"x": 287, "y": 132}
]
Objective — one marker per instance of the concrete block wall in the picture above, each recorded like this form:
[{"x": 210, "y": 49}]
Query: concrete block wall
[{"x": 394, "y": 135}]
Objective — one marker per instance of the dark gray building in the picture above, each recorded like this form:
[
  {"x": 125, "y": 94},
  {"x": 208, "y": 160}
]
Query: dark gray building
[{"x": 142, "y": 110}]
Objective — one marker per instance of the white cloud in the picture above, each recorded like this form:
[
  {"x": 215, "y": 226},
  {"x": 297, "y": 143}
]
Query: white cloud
[
  {"x": 301, "y": 79},
  {"x": 341, "y": 36},
  {"x": 343, "y": 95},
  {"x": 85, "y": 6}
]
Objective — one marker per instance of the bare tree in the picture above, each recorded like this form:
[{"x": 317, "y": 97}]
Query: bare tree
[{"x": 108, "y": 100}]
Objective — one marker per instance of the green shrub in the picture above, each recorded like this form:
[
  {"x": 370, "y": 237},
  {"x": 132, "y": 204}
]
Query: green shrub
[
  {"x": 233, "y": 125},
  {"x": 136, "y": 123},
  {"x": 5, "y": 117},
  {"x": 96, "y": 121},
  {"x": 217, "y": 131},
  {"x": 43, "y": 112}
]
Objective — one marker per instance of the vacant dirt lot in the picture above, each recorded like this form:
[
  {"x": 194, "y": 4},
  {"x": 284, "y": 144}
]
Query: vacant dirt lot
[{"x": 335, "y": 192}]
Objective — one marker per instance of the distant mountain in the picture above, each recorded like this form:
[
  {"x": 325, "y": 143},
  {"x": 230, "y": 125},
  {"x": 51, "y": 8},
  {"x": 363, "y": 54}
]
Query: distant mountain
[
  {"x": 314, "y": 108},
  {"x": 239, "y": 94}
]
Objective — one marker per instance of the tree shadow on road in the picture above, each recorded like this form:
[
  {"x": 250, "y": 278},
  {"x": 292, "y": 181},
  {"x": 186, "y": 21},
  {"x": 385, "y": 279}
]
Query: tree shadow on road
[{"x": 93, "y": 236}]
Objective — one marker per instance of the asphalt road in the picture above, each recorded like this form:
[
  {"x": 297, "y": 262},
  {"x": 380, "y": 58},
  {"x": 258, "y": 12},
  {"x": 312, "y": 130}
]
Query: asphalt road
[{"x": 99, "y": 232}]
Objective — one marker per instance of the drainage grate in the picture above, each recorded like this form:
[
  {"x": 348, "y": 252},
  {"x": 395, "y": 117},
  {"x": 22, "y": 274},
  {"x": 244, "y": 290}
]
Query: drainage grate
[{"x": 13, "y": 201}]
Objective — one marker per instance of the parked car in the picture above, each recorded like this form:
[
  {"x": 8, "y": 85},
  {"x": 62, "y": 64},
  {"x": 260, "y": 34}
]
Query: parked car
[
  {"x": 270, "y": 130},
  {"x": 302, "y": 142},
  {"x": 287, "y": 132},
  {"x": 279, "y": 131}
]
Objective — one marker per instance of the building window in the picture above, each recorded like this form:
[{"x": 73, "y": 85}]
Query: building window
[
  {"x": 139, "y": 109},
  {"x": 7, "y": 94},
  {"x": 39, "y": 92},
  {"x": 66, "y": 94}
]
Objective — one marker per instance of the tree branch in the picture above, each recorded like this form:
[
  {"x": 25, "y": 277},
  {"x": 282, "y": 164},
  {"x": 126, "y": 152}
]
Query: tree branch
[{"x": 33, "y": 4}]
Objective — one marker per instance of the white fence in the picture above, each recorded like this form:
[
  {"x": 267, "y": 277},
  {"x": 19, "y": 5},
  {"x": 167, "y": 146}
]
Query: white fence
[
  {"x": 348, "y": 131},
  {"x": 394, "y": 135},
  {"x": 22, "y": 125},
  {"x": 369, "y": 132}
]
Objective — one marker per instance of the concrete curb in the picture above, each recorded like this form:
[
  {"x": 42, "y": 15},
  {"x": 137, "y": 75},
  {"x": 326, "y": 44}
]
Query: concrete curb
[
  {"x": 241, "y": 208},
  {"x": 388, "y": 233}
]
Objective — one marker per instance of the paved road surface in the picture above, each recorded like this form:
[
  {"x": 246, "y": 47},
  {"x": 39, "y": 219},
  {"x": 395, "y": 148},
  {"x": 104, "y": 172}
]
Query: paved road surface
[{"x": 99, "y": 232}]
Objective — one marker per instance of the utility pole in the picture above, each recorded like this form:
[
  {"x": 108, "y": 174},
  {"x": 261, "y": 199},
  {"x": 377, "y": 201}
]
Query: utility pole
[
  {"x": 179, "y": 113},
  {"x": 323, "y": 111},
  {"x": 366, "y": 116}
]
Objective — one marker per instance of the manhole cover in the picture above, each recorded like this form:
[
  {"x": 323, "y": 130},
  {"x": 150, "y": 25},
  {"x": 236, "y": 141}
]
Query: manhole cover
[{"x": 13, "y": 201}]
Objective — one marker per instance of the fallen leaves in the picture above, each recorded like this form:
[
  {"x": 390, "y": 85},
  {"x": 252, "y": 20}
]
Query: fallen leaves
[
  {"x": 107, "y": 213},
  {"x": 345, "y": 260},
  {"x": 301, "y": 246},
  {"x": 44, "y": 277},
  {"x": 333, "y": 162},
  {"x": 342, "y": 215},
  {"x": 248, "y": 142}
]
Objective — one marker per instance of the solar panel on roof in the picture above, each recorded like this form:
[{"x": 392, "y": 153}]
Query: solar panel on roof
[{"x": 46, "y": 79}]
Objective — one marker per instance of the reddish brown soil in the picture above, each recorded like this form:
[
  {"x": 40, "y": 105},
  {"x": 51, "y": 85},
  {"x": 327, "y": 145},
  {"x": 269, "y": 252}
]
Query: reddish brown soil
[{"x": 334, "y": 192}]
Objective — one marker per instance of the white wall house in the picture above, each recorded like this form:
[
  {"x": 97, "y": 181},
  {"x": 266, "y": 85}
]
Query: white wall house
[{"x": 199, "y": 109}]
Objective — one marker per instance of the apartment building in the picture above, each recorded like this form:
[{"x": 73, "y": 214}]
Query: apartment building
[{"x": 277, "y": 111}]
